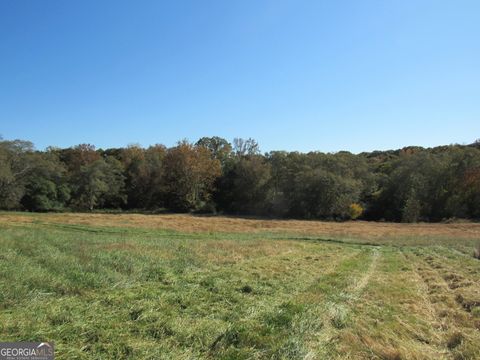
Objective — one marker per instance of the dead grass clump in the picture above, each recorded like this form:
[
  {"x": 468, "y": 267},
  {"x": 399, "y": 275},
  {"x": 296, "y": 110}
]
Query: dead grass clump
[
  {"x": 455, "y": 281},
  {"x": 452, "y": 277},
  {"x": 443, "y": 313},
  {"x": 391, "y": 354},
  {"x": 454, "y": 340},
  {"x": 383, "y": 351},
  {"x": 467, "y": 303}
]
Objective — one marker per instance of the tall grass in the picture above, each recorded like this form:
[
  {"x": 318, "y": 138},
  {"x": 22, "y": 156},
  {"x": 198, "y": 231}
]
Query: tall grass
[{"x": 134, "y": 292}]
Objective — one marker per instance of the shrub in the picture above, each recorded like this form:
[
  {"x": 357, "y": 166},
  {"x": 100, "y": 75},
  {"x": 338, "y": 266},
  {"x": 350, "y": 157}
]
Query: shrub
[{"x": 355, "y": 211}]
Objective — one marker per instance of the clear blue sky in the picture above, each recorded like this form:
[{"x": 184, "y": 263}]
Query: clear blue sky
[{"x": 295, "y": 75}]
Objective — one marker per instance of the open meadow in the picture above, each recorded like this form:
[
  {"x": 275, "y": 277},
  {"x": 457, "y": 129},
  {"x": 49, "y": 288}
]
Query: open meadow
[{"x": 108, "y": 286}]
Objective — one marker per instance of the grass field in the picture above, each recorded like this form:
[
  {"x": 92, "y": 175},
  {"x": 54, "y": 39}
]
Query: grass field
[{"x": 185, "y": 287}]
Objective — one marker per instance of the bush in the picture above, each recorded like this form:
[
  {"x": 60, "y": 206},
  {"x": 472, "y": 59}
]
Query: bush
[{"x": 355, "y": 211}]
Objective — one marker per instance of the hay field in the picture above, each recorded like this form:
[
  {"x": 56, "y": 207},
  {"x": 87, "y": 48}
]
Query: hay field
[{"x": 188, "y": 287}]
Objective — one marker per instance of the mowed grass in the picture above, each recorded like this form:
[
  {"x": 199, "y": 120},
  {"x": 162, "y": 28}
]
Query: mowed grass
[{"x": 135, "y": 287}]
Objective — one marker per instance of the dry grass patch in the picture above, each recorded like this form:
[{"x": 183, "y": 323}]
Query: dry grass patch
[{"x": 372, "y": 231}]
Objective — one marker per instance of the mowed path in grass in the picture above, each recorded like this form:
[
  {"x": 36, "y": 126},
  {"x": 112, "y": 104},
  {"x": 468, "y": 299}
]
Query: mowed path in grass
[{"x": 154, "y": 292}]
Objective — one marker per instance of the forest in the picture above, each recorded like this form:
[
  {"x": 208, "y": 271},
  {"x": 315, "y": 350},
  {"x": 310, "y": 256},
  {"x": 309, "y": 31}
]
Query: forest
[{"x": 215, "y": 176}]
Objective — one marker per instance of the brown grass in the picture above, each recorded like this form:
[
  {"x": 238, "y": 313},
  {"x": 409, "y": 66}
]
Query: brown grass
[{"x": 190, "y": 223}]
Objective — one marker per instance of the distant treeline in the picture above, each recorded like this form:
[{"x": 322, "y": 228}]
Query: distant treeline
[{"x": 215, "y": 176}]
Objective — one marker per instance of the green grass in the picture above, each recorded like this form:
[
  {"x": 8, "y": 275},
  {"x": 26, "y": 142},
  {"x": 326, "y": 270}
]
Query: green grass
[{"x": 133, "y": 293}]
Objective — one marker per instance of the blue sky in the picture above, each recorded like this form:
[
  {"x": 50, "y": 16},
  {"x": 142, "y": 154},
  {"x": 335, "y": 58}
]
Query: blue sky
[{"x": 295, "y": 75}]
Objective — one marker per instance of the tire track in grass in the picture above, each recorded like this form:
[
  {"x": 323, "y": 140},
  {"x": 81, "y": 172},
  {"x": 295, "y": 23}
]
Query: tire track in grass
[
  {"x": 364, "y": 280},
  {"x": 392, "y": 321},
  {"x": 272, "y": 312},
  {"x": 337, "y": 309},
  {"x": 259, "y": 264}
]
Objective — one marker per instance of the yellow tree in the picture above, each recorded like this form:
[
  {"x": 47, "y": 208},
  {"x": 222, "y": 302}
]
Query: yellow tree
[{"x": 190, "y": 174}]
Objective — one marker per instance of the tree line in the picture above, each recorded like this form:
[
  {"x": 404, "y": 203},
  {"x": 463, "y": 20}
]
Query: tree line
[{"x": 216, "y": 176}]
